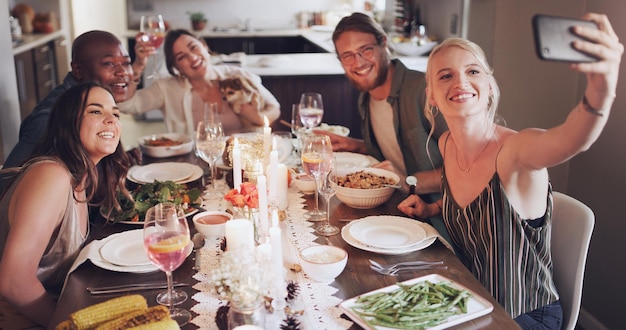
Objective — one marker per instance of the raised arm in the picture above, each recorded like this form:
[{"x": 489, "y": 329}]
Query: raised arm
[{"x": 536, "y": 149}]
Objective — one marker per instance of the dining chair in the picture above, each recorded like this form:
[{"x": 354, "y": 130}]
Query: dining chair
[{"x": 572, "y": 225}]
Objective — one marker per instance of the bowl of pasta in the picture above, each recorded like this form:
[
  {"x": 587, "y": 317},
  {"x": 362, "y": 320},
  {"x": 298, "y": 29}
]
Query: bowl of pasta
[
  {"x": 366, "y": 188},
  {"x": 165, "y": 145}
]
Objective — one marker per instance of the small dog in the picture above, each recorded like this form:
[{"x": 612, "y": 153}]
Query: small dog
[{"x": 238, "y": 91}]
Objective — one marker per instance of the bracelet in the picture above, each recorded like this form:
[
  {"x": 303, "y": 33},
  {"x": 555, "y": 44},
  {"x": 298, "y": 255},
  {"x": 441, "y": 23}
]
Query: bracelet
[{"x": 589, "y": 108}]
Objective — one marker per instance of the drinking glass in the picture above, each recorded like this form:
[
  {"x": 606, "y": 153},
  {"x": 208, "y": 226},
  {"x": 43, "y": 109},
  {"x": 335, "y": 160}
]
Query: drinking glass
[
  {"x": 317, "y": 151},
  {"x": 210, "y": 145},
  {"x": 297, "y": 128},
  {"x": 311, "y": 109},
  {"x": 152, "y": 28},
  {"x": 327, "y": 187},
  {"x": 167, "y": 243}
]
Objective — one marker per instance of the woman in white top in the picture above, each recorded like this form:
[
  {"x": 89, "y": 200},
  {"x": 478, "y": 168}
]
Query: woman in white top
[{"x": 194, "y": 81}]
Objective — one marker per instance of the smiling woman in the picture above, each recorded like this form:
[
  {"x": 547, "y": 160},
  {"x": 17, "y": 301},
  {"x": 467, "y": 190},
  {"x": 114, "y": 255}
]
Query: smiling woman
[{"x": 51, "y": 193}]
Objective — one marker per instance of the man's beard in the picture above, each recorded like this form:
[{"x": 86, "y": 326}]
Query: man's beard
[{"x": 381, "y": 76}]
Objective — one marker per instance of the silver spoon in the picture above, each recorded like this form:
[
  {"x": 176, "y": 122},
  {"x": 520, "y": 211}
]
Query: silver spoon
[{"x": 198, "y": 242}]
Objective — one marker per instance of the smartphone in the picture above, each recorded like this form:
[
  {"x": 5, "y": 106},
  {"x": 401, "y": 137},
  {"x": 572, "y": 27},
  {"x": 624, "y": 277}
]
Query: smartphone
[{"x": 554, "y": 37}]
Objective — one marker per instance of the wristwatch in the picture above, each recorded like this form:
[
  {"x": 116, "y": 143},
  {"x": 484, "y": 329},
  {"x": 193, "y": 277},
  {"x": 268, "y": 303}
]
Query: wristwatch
[{"x": 412, "y": 182}]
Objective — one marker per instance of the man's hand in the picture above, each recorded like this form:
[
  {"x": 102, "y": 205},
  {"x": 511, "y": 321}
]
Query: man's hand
[{"x": 343, "y": 143}]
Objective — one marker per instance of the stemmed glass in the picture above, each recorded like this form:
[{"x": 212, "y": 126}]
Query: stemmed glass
[
  {"x": 311, "y": 109},
  {"x": 297, "y": 128},
  {"x": 327, "y": 187},
  {"x": 317, "y": 151},
  {"x": 167, "y": 243},
  {"x": 152, "y": 28},
  {"x": 210, "y": 145}
]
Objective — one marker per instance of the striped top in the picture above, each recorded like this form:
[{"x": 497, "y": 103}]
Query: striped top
[{"x": 509, "y": 255}]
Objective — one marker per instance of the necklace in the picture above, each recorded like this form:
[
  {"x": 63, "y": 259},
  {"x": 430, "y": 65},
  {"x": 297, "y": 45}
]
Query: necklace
[{"x": 473, "y": 161}]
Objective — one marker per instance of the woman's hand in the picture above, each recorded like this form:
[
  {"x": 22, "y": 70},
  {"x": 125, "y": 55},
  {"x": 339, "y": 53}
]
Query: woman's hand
[
  {"x": 601, "y": 75},
  {"x": 414, "y": 206}
]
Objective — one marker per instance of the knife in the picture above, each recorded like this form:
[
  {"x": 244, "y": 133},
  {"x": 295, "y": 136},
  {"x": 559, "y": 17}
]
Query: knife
[{"x": 132, "y": 287}]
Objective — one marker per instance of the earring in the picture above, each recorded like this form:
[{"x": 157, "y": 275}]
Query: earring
[
  {"x": 434, "y": 110},
  {"x": 489, "y": 102}
]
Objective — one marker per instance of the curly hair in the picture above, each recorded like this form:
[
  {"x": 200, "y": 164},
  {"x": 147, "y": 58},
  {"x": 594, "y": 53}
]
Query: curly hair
[{"x": 102, "y": 182}]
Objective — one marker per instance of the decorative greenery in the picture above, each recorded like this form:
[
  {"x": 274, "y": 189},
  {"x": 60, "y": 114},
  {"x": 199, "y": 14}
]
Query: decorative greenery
[{"x": 196, "y": 16}]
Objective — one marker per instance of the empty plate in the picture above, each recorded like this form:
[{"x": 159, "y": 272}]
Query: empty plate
[
  {"x": 126, "y": 249},
  {"x": 387, "y": 233}
]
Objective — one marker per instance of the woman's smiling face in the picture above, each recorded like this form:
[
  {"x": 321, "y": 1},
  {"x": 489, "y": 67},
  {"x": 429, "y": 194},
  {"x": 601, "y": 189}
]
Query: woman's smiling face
[
  {"x": 190, "y": 56},
  {"x": 457, "y": 84},
  {"x": 100, "y": 128}
]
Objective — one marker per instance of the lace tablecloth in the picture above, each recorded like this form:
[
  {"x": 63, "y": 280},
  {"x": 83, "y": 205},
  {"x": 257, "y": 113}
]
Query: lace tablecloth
[{"x": 316, "y": 299}]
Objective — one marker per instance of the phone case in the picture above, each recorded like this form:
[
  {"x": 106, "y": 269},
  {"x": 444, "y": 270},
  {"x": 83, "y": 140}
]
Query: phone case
[{"x": 553, "y": 38}]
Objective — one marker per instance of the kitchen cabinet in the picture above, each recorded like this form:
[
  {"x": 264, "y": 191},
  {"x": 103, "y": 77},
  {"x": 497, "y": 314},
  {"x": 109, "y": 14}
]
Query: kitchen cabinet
[
  {"x": 36, "y": 75},
  {"x": 262, "y": 45}
]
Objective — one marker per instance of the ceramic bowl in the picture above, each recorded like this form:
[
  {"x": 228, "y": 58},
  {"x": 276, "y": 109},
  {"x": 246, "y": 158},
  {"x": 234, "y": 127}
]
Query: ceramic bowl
[
  {"x": 211, "y": 224},
  {"x": 182, "y": 144},
  {"x": 367, "y": 198},
  {"x": 323, "y": 263},
  {"x": 305, "y": 183}
]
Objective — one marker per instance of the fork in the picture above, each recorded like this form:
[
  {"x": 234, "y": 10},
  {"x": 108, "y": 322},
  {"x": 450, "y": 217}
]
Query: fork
[
  {"x": 394, "y": 272},
  {"x": 401, "y": 264}
]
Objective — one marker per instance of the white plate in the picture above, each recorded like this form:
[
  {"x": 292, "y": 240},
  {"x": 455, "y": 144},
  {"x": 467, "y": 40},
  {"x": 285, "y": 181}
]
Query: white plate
[
  {"x": 98, "y": 261},
  {"x": 384, "y": 233},
  {"x": 126, "y": 249},
  {"x": 196, "y": 173},
  {"x": 163, "y": 172},
  {"x": 351, "y": 160},
  {"x": 431, "y": 237},
  {"x": 476, "y": 305}
]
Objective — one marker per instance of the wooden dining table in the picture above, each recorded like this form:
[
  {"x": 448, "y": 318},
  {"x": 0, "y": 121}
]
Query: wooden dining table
[{"x": 357, "y": 278}]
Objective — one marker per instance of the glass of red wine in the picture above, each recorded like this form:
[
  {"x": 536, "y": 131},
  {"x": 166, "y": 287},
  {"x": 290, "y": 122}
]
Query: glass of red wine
[{"x": 152, "y": 28}]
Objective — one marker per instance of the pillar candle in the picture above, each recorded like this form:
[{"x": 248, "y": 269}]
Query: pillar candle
[
  {"x": 239, "y": 234},
  {"x": 263, "y": 219},
  {"x": 236, "y": 165},
  {"x": 276, "y": 241},
  {"x": 267, "y": 137},
  {"x": 282, "y": 186},
  {"x": 273, "y": 174}
]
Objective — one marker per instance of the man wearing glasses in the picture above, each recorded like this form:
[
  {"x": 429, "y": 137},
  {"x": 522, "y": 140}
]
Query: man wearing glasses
[{"x": 391, "y": 102}]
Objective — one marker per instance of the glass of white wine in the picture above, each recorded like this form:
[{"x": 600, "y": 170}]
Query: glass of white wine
[
  {"x": 311, "y": 109},
  {"x": 317, "y": 152},
  {"x": 327, "y": 187}
]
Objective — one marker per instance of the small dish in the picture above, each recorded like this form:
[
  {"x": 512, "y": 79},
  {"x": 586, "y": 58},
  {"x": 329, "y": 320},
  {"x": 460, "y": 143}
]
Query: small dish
[
  {"x": 165, "y": 145},
  {"x": 323, "y": 263},
  {"x": 211, "y": 224}
]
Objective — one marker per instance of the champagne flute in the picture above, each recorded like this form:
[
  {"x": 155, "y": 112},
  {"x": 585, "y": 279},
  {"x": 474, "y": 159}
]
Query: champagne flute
[
  {"x": 327, "y": 187},
  {"x": 167, "y": 243},
  {"x": 317, "y": 151},
  {"x": 311, "y": 109},
  {"x": 152, "y": 28},
  {"x": 210, "y": 145}
]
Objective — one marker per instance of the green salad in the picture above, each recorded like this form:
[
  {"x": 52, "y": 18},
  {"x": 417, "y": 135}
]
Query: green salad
[{"x": 147, "y": 195}]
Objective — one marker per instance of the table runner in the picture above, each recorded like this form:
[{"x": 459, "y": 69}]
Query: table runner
[{"x": 321, "y": 311}]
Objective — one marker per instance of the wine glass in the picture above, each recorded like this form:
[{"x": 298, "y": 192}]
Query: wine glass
[
  {"x": 311, "y": 109},
  {"x": 210, "y": 145},
  {"x": 152, "y": 28},
  {"x": 297, "y": 128},
  {"x": 317, "y": 151},
  {"x": 327, "y": 187},
  {"x": 167, "y": 243}
]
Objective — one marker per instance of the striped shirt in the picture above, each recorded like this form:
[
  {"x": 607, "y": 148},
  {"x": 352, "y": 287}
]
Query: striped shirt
[{"x": 509, "y": 255}]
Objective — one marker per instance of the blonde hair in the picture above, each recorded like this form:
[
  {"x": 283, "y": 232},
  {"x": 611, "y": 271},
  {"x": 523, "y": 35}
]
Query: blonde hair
[{"x": 429, "y": 110}]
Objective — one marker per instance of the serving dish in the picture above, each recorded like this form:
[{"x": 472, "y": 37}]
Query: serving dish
[
  {"x": 165, "y": 145},
  {"x": 366, "y": 198},
  {"x": 476, "y": 305}
]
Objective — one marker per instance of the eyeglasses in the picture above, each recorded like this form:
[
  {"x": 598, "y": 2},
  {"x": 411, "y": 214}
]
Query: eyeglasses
[{"x": 365, "y": 52}]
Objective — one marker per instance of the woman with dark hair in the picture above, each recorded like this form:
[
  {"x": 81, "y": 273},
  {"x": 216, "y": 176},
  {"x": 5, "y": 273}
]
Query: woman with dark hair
[
  {"x": 194, "y": 82},
  {"x": 44, "y": 212}
]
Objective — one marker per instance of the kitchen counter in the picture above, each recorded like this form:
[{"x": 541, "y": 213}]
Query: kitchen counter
[{"x": 34, "y": 40}]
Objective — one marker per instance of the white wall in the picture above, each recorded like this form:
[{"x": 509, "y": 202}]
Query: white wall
[{"x": 9, "y": 104}]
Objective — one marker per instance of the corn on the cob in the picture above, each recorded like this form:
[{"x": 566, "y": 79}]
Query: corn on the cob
[
  {"x": 140, "y": 317},
  {"x": 65, "y": 325},
  {"x": 165, "y": 324},
  {"x": 94, "y": 315}
]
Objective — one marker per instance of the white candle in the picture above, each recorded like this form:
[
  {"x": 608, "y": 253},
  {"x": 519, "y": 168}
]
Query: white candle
[
  {"x": 282, "y": 186},
  {"x": 276, "y": 241},
  {"x": 262, "y": 189},
  {"x": 239, "y": 234},
  {"x": 273, "y": 175},
  {"x": 267, "y": 137},
  {"x": 236, "y": 165}
]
